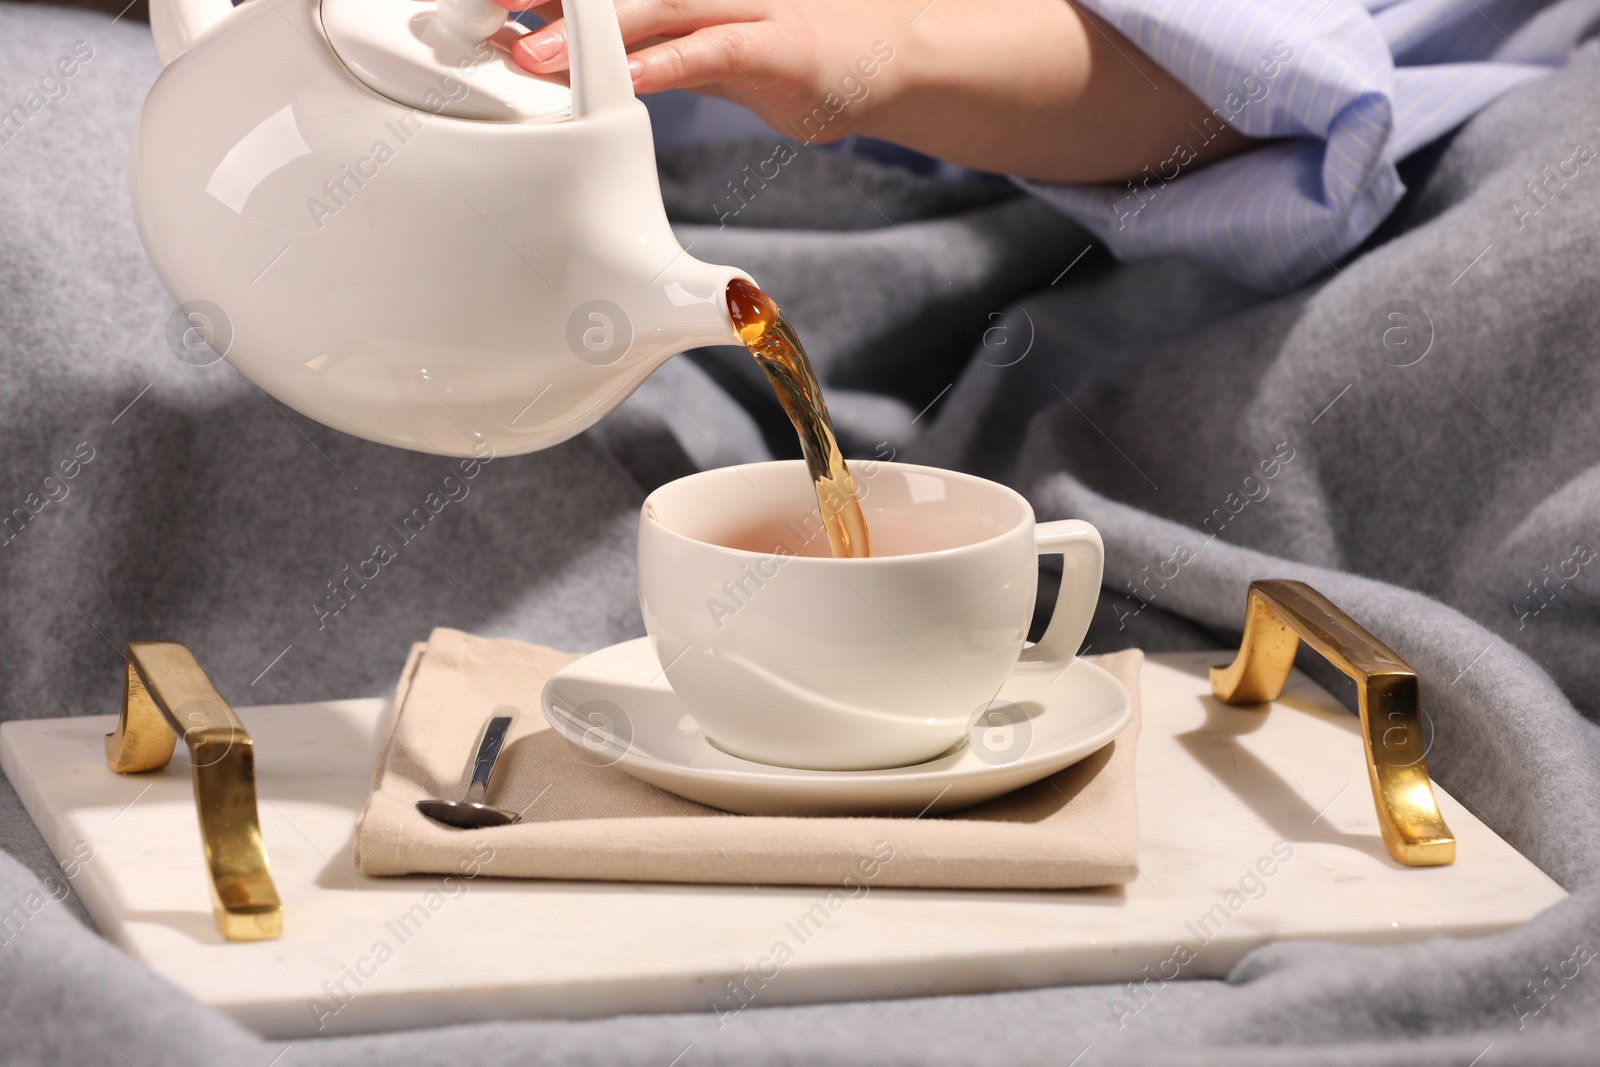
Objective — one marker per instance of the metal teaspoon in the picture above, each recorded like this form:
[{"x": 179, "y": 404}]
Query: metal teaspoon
[{"x": 471, "y": 812}]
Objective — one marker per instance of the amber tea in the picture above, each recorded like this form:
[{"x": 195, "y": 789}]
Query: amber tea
[{"x": 772, "y": 341}]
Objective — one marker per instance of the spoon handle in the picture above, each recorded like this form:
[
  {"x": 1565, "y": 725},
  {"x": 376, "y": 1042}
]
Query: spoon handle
[{"x": 494, "y": 736}]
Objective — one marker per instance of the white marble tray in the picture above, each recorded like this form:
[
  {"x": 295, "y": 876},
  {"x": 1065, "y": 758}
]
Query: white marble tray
[{"x": 1224, "y": 794}]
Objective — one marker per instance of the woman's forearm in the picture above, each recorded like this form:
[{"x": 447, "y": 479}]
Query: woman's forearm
[
  {"x": 1034, "y": 88},
  {"x": 1039, "y": 89}
]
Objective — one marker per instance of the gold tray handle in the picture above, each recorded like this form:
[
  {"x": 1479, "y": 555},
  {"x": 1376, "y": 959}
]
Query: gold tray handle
[
  {"x": 168, "y": 695},
  {"x": 1278, "y": 615}
]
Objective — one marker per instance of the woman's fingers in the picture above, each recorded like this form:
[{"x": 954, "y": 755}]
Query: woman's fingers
[
  {"x": 545, "y": 50},
  {"x": 524, "y": 5},
  {"x": 710, "y": 56},
  {"x": 642, "y": 19}
]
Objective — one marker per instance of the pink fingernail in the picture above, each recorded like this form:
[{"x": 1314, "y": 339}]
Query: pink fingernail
[
  {"x": 635, "y": 69},
  {"x": 546, "y": 47}
]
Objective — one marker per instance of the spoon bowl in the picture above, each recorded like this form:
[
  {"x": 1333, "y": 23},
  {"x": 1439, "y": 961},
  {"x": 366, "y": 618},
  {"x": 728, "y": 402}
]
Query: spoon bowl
[
  {"x": 473, "y": 812},
  {"x": 465, "y": 815}
]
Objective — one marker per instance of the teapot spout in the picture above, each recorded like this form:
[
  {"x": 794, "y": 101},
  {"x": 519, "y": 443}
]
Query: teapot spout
[{"x": 698, "y": 293}]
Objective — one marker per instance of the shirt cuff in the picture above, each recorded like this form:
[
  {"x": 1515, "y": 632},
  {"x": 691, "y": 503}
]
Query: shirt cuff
[{"x": 1317, "y": 78}]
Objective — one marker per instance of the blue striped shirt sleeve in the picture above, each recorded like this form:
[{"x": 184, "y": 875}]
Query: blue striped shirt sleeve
[{"x": 1339, "y": 90}]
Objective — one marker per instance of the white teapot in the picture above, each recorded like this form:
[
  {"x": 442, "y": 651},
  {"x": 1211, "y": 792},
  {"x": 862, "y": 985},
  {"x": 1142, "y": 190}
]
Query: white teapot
[{"x": 380, "y": 219}]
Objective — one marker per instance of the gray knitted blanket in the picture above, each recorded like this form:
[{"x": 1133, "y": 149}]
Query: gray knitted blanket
[{"x": 1442, "y": 487}]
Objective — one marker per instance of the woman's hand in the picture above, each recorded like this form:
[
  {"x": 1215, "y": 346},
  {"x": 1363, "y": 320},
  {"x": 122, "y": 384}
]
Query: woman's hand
[
  {"x": 780, "y": 58},
  {"x": 1035, "y": 88}
]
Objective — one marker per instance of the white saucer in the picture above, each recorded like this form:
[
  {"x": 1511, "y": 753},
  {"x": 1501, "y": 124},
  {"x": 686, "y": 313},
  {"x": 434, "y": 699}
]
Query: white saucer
[{"x": 615, "y": 707}]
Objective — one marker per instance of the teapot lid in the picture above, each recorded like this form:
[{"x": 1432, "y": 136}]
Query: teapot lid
[{"x": 450, "y": 58}]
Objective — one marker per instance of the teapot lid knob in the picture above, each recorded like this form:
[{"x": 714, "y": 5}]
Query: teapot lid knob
[{"x": 470, "y": 21}]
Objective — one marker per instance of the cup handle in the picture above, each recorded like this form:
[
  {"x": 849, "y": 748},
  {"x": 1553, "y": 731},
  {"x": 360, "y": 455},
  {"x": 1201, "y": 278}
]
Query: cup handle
[{"x": 1083, "y": 557}]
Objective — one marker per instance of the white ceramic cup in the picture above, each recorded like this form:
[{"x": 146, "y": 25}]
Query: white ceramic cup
[{"x": 785, "y": 655}]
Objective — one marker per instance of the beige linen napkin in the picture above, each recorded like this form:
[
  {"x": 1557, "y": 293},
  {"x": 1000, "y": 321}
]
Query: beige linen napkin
[{"x": 1074, "y": 829}]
